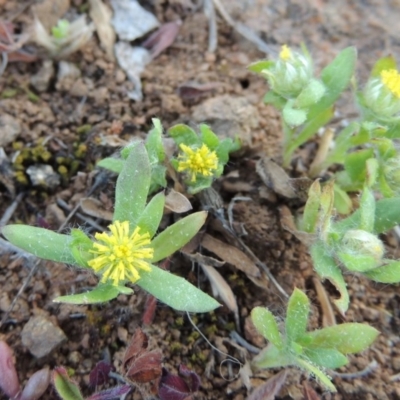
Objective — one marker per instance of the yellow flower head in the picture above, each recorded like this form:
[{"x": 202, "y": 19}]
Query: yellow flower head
[
  {"x": 200, "y": 161},
  {"x": 391, "y": 79},
  {"x": 119, "y": 255},
  {"x": 285, "y": 53}
]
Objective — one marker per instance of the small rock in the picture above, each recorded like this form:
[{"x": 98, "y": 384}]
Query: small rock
[
  {"x": 43, "y": 175},
  {"x": 41, "y": 337},
  {"x": 10, "y": 128},
  {"x": 41, "y": 80},
  {"x": 79, "y": 88},
  {"x": 67, "y": 74}
]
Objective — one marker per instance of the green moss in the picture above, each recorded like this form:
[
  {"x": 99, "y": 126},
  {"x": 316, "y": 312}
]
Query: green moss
[{"x": 81, "y": 130}]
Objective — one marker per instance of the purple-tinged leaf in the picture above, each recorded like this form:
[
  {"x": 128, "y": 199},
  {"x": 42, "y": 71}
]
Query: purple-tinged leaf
[
  {"x": 269, "y": 389},
  {"x": 174, "y": 387},
  {"x": 194, "y": 90},
  {"x": 66, "y": 388},
  {"x": 309, "y": 393},
  {"x": 162, "y": 38},
  {"x": 146, "y": 367},
  {"x": 114, "y": 393},
  {"x": 9, "y": 382},
  {"x": 99, "y": 374},
  {"x": 37, "y": 385}
]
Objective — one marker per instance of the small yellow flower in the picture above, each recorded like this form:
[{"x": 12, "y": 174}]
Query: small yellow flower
[
  {"x": 200, "y": 161},
  {"x": 120, "y": 255},
  {"x": 285, "y": 53},
  {"x": 391, "y": 79}
]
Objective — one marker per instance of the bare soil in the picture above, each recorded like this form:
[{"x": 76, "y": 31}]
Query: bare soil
[{"x": 54, "y": 120}]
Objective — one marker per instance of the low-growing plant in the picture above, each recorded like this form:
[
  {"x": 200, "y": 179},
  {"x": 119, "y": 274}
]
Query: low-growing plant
[
  {"x": 127, "y": 253},
  {"x": 313, "y": 351},
  {"x": 9, "y": 382}
]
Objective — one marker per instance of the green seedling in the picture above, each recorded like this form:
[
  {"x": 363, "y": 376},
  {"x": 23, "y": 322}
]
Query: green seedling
[
  {"x": 155, "y": 150},
  {"x": 201, "y": 157},
  {"x": 312, "y": 351},
  {"x": 60, "y": 31},
  {"x": 352, "y": 244},
  {"x": 127, "y": 253}
]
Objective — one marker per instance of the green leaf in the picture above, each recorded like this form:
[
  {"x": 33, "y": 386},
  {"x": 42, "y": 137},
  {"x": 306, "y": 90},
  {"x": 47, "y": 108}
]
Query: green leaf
[
  {"x": 259, "y": 66},
  {"x": 177, "y": 235},
  {"x": 112, "y": 164},
  {"x": 322, "y": 378},
  {"x": 297, "y": 315},
  {"x": 383, "y": 63},
  {"x": 100, "y": 294},
  {"x": 152, "y": 214},
  {"x": 271, "y": 357},
  {"x": 372, "y": 166},
  {"x": 357, "y": 263},
  {"x": 184, "y": 134},
  {"x": 266, "y": 324},
  {"x": 225, "y": 147},
  {"x": 293, "y": 116},
  {"x": 387, "y": 216},
  {"x": 310, "y": 94},
  {"x": 200, "y": 184},
  {"x": 326, "y": 268},
  {"x": 40, "y": 242},
  {"x": 208, "y": 137},
  {"x": 342, "y": 201},
  {"x": 132, "y": 186},
  {"x": 154, "y": 145},
  {"x": 389, "y": 273},
  {"x": 355, "y": 164},
  {"x": 367, "y": 210},
  {"x": 310, "y": 216},
  {"x": 327, "y": 358},
  {"x": 274, "y": 99},
  {"x": 347, "y": 338},
  {"x": 336, "y": 77},
  {"x": 66, "y": 388},
  {"x": 176, "y": 292},
  {"x": 80, "y": 247}
]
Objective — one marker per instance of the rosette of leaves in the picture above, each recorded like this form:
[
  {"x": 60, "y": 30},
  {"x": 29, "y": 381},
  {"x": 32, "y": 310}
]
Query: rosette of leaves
[
  {"x": 312, "y": 351},
  {"x": 351, "y": 244},
  {"x": 155, "y": 151},
  {"x": 306, "y": 103},
  {"x": 186, "y": 138},
  {"x": 139, "y": 218}
]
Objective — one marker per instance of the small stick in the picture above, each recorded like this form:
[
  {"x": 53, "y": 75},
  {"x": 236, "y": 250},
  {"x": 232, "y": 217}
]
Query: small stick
[
  {"x": 209, "y": 11},
  {"x": 359, "y": 374}
]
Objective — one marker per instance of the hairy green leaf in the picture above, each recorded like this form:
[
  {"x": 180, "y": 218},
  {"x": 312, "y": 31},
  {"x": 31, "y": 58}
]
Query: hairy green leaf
[
  {"x": 266, "y": 324},
  {"x": 112, "y": 164},
  {"x": 389, "y": 273},
  {"x": 100, "y": 294},
  {"x": 327, "y": 358},
  {"x": 66, "y": 388},
  {"x": 297, "y": 315},
  {"x": 150, "y": 219}
]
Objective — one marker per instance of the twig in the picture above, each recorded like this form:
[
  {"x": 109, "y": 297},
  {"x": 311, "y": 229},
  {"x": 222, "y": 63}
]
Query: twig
[
  {"x": 4, "y": 62},
  {"x": 10, "y": 209},
  {"x": 244, "y": 343},
  {"x": 209, "y": 11},
  {"x": 359, "y": 374}
]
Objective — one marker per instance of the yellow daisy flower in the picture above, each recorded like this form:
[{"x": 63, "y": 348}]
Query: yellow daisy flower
[
  {"x": 391, "y": 79},
  {"x": 195, "y": 162},
  {"x": 285, "y": 53},
  {"x": 119, "y": 255}
]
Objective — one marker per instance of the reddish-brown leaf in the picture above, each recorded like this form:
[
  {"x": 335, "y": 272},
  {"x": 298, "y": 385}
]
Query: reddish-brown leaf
[
  {"x": 309, "y": 392},
  {"x": 146, "y": 367},
  {"x": 269, "y": 389},
  {"x": 137, "y": 346},
  {"x": 194, "y": 90}
]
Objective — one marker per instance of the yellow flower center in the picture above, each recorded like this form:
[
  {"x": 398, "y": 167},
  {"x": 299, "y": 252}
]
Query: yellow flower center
[
  {"x": 285, "y": 53},
  {"x": 391, "y": 79},
  {"x": 119, "y": 255},
  {"x": 200, "y": 161}
]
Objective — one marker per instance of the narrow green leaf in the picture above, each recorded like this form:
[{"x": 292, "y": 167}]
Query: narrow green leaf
[
  {"x": 112, "y": 164},
  {"x": 271, "y": 357},
  {"x": 367, "y": 210},
  {"x": 66, "y": 388},
  {"x": 208, "y": 137},
  {"x": 152, "y": 214},
  {"x": 297, "y": 315},
  {"x": 327, "y": 358},
  {"x": 326, "y": 268},
  {"x": 265, "y": 323},
  {"x": 100, "y": 294},
  {"x": 321, "y": 377},
  {"x": 176, "y": 292},
  {"x": 327, "y": 201},
  {"x": 355, "y": 164},
  {"x": 201, "y": 183},
  {"x": 40, "y": 242},
  {"x": 310, "y": 216},
  {"x": 347, "y": 338},
  {"x": 389, "y": 273},
  {"x": 259, "y": 66},
  {"x": 132, "y": 186},
  {"x": 372, "y": 166},
  {"x": 177, "y": 235},
  {"x": 80, "y": 247},
  {"x": 274, "y": 99},
  {"x": 336, "y": 77},
  {"x": 342, "y": 201},
  {"x": 154, "y": 145}
]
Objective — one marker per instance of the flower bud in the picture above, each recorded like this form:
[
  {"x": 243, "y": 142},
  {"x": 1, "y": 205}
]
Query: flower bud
[
  {"x": 391, "y": 170},
  {"x": 382, "y": 94},
  {"x": 290, "y": 74},
  {"x": 361, "y": 250}
]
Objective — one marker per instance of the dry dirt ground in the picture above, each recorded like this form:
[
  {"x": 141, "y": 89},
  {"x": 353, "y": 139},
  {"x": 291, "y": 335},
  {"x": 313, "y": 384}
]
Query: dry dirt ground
[{"x": 75, "y": 126}]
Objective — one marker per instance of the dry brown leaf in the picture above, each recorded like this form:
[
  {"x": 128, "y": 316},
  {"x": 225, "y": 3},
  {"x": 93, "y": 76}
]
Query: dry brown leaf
[
  {"x": 270, "y": 388},
  {"x": 231, "y": 255},
  {"x": 101, "y": 16},
  {"x": 177, "y": 202},
  {"x": 309, "y": 392},
  {"x": 95, "y": 208},
  {"x": 328, "y": 316}
]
